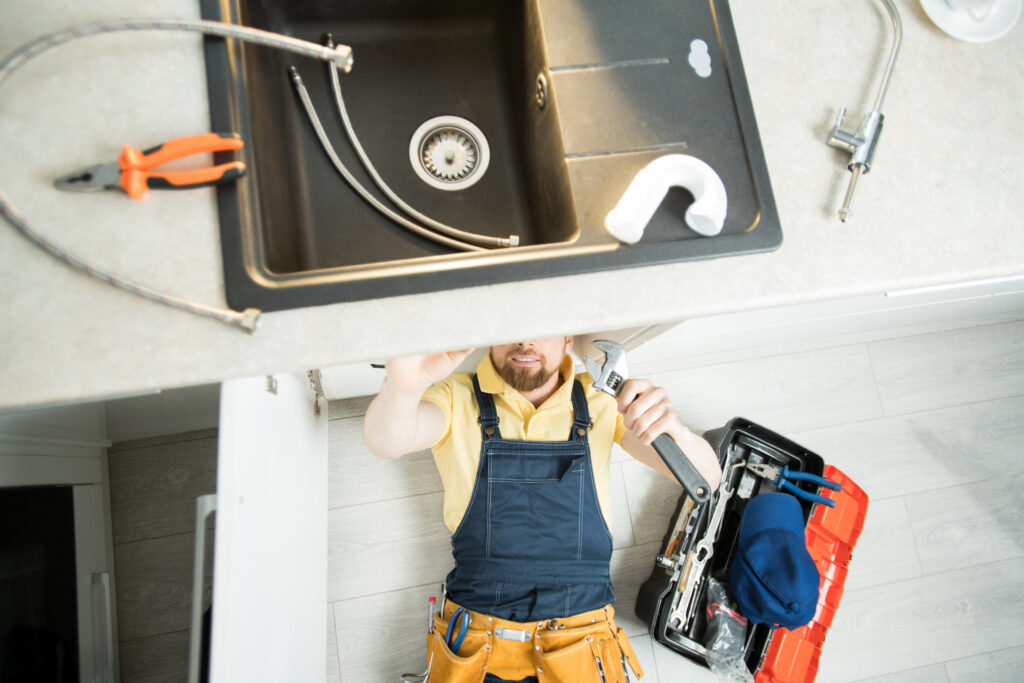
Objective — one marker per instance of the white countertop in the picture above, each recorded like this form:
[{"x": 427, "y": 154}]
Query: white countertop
[{"x": 943, "y": 204}]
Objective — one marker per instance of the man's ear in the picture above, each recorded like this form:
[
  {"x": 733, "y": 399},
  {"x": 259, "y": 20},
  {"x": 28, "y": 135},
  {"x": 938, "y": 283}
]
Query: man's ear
[{"x": 569, "y": 342}]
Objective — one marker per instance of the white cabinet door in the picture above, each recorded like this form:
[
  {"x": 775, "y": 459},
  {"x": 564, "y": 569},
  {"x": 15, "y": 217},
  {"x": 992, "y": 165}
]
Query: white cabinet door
[{"x": 270, "y": 555}]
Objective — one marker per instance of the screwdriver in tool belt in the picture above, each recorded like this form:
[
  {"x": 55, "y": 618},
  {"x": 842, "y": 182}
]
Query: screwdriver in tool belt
[{"x": 431, "y": 609}]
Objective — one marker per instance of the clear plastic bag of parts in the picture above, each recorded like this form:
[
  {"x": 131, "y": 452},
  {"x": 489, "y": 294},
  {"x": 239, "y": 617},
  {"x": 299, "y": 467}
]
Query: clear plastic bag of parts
[{"x": 726, "y": 635}]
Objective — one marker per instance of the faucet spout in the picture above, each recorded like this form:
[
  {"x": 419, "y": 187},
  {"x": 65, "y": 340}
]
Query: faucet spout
[{"x": 861, "y": 143}]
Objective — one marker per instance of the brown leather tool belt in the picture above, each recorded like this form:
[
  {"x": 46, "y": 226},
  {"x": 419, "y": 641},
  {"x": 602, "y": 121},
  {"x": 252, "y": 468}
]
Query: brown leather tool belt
[{"x": 577, "y": 649}]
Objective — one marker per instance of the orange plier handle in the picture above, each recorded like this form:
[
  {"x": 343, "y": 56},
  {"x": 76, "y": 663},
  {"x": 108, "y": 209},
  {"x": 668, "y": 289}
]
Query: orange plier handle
[{"x": 137, "y": 178}]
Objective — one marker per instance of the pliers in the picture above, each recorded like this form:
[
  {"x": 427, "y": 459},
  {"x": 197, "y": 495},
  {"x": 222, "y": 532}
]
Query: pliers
[
  {"x": 463, "y": 626},
  {"x": 783, "y": 477},
  {"x": 132, "y": 170}
]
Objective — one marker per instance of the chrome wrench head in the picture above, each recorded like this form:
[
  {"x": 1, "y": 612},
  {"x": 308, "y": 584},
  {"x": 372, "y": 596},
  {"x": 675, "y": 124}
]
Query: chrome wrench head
[{"x": 612, "y": 374}]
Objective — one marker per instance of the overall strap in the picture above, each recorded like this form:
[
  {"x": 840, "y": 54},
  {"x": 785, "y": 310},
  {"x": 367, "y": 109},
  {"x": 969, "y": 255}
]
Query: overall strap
[
  {"x": 488, "y": 413},
  {"x": 580, "y": 413}
]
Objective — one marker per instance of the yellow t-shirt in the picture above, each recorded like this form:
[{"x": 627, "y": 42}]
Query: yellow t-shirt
[{"x": 457, "y": 451}]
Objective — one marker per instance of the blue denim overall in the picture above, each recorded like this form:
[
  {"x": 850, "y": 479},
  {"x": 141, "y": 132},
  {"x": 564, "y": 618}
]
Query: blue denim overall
[{"x": 533, "y": 543}]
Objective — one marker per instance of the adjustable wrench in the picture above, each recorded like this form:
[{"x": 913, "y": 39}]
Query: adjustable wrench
[{"x": 609, "y": 378}]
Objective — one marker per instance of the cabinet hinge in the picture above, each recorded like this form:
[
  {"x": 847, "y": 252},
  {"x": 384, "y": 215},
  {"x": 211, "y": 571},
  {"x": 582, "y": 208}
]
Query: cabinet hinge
[{"x": 316, "y": 385}]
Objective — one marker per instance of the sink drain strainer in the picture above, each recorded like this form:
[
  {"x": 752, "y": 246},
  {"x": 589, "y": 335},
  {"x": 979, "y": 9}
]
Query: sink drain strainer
[{"x": 449, "y": 153}]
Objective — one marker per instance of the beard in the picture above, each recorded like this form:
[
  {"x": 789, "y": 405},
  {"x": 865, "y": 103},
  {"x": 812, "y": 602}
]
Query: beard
[{"x": 523, "y": 379}]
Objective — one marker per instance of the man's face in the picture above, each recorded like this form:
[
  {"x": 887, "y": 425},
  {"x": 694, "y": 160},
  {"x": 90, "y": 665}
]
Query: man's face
[{"x": 529, "y": 365}]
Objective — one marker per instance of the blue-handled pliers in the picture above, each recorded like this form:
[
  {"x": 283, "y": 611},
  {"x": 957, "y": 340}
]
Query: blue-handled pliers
[
  {"x": 463, "y": 626},
  {"x": 783, "y": 477}
]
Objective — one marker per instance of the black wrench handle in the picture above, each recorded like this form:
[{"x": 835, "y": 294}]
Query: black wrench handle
[{"x": 682, "y": 469}]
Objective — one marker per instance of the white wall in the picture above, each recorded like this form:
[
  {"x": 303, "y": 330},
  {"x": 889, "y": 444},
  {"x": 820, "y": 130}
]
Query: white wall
[{"x": 172, "y": 411}]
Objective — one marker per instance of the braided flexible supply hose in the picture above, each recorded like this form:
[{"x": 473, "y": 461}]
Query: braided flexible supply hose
[
  {"x": 357, "y": 187},
  {"x": 339, "y": 102},
  {"x": 340, "y": 55}
]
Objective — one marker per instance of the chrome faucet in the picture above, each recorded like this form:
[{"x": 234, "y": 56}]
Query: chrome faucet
[{"x": 861, "y": 143}]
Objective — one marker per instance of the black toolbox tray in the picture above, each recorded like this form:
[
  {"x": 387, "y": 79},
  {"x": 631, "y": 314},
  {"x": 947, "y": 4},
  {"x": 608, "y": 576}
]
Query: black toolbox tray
[{"x": 740, "y": 439}]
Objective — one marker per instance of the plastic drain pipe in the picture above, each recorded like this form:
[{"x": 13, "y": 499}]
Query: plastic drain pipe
[{"x": 340, "y": 56}]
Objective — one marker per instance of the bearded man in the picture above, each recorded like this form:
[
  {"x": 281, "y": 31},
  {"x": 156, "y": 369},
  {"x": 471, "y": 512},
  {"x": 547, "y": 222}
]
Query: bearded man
[{"x": 523, "y": 449}]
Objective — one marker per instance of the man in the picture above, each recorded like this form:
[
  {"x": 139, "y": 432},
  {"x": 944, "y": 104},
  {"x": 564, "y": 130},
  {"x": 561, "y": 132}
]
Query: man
[{"x": 523, "y": 450}]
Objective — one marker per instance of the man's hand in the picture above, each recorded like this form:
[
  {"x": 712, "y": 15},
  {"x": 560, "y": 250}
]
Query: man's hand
[
  {"x": 413, "y": 374},
  {"x": 648, "y": 413}
]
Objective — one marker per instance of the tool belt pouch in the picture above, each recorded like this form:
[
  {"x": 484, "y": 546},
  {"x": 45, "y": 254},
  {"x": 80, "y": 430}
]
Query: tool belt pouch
[
  {"x": 599, "y": 652},
  {"x": 444, "y": 666}
]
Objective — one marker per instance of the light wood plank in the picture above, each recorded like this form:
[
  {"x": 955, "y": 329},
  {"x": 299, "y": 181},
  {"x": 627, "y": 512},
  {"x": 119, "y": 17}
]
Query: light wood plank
[
  {"x": 652, "y": 500},
  {"x": 155, "y": 659},
  {"x": 778, "y": 332},
  {"x": 934, "y": 449},
  {"x": 919, "y": 622},
  {"x": 886, "y": 551},
  {"x": 386, "y": 546},
  {"x": 380, "y": 637},
  {"x": 357, "y": 477},
  {"x": 621, "y": 524},
  {"x": 1002, "y": 666},
  {"x": 333, "y": 661},
  {"x": 786, "y": 393},
  {"x": 936, "y": 673},
  {"x": 643, "y": 646},
  {"x": 619, "y": 454},
  {"x": 950, "y": 368},
  {"x": 154, "y": 584},
  {"x": 968, "y": 525},
  {"x": 630, "y": 567},
  {"x": 673, "y": 667},
  {"x": 153, "y": 489}
]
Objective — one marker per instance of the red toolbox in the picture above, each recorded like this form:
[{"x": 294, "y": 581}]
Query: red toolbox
[{"x": 772, "y": 655}]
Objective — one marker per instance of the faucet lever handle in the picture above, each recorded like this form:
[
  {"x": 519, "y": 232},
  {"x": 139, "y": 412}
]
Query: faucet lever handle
[
  {"x": 844, "y": 138},
  {"x": 840, "y": 118}
]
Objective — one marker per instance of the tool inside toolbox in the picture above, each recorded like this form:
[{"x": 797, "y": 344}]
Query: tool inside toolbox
[{"x": 683, "y": 628}]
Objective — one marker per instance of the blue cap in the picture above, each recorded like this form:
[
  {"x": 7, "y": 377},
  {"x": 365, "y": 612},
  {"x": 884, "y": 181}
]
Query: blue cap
[{"x": 773, "y": 577}]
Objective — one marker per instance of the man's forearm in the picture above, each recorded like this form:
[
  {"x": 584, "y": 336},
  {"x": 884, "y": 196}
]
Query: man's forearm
[
  {"x": 695, "y": 447},
  {"x": 398, "y": 421},
  {"x": 702, "y": 455},
  {"x": 392, "y": 425}
]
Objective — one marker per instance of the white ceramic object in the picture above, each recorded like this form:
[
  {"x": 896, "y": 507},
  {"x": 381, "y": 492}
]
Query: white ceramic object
[
  {"x": 959, "y": 23},
  {"x": 706, "y": 216}
]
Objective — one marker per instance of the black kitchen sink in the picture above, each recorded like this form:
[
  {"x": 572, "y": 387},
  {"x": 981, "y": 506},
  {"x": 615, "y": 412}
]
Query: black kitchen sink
[{"x": 544, "y": 111}]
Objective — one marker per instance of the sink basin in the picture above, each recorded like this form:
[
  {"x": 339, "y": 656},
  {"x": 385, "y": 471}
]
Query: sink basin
[{"x": 565, "y": 100}]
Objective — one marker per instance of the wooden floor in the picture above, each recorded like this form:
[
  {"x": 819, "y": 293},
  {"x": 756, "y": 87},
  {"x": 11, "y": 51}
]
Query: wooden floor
[
  {"x": 153, "y": 488},
  {"x": 928, "y": 420}
]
